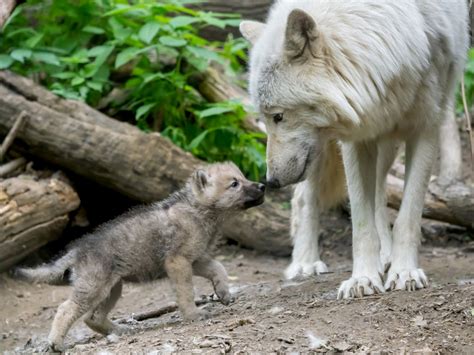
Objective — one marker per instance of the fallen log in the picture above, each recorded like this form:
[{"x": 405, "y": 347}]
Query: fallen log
[
  {"x": 32, "y": 212},
  {"x": 453, "y": 204},
  {"x": 144, "y": 167}
]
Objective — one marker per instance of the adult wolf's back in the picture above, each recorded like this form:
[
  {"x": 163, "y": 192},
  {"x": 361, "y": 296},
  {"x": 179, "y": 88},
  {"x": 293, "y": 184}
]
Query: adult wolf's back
[{"x": 368, "y": 73}]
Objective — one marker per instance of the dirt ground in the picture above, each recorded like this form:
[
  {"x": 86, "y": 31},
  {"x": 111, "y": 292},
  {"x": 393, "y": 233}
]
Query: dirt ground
[{"x": 271, "y": 315}]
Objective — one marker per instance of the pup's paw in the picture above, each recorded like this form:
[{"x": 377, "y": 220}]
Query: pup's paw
[
  {"x": 406, "y": 279},
  {"x": 360, "y": 286},
  {"x": 305, "y": 269},
  {"x": 197, "y": 315}
]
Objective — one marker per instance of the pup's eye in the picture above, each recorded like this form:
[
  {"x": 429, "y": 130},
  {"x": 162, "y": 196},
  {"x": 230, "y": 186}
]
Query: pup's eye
[
  {"x": 234, "y": 184},
  {"x": 277, "y": 117}
]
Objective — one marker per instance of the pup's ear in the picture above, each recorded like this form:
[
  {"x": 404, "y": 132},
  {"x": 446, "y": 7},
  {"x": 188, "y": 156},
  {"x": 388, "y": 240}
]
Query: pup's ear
[
  {"x": 200, "y": 179},
  {"x": 251, "y": 30},
  {"x": 301, "y": 36}
]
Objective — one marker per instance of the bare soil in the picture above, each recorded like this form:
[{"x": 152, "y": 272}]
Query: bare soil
[{"x": 271, "y": 315}]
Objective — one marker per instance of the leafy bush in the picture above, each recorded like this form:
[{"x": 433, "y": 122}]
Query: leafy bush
[{"x": 151, "y": 50}]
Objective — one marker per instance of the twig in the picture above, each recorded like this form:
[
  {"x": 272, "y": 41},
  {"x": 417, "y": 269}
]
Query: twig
[
  {"x": 172, "y": 307},
  {"x": 468, "y": 119},
  {"x": 11, "y": 166},
  {"x": 12, "y": 134}
]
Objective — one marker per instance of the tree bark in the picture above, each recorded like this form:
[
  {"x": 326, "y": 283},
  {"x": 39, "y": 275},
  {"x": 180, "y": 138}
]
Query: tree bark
[
  {"x": 6, "y": 8},
  {"x": 32, "y": 212},
  {"x": 144, "y": 167}
]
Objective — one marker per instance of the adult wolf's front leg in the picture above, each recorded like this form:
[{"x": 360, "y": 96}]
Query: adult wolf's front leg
[
  {"x": 305, "y": 258},
  {"x": 360, "y": 160},
  {"x": 404, "y": 273}
]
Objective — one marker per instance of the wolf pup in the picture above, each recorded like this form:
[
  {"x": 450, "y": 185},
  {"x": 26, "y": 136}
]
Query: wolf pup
[{"x": 172, "y": 238}]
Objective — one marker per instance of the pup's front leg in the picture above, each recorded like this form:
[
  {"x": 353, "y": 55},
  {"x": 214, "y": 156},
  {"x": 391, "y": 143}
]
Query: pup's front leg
[
  {"x": 360, "y": 163},
  {"x": 180, "y": 272},
  {"x": 215, "y": 272}
]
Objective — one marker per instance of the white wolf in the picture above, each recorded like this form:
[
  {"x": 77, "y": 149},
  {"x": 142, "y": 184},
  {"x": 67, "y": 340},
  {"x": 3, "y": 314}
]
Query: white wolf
[{"x": 369, "y": 74}]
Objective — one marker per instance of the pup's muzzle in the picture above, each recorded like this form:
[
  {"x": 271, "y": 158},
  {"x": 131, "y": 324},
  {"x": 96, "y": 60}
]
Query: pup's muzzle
[{"x": 255, "y": 195}]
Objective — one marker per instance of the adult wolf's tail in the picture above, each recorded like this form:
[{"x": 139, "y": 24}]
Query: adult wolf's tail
[{"x": 51, "y": 273}]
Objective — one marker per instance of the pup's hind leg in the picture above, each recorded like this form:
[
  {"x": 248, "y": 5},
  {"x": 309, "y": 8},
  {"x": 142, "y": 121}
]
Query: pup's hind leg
[
  {"x": 180, "y": 272},
  {"x": 68, "y": 312},
  {"x": 87, "y": 294},
  {"x": 214, "y": 271},
  {"x": 97, "y": 319}
]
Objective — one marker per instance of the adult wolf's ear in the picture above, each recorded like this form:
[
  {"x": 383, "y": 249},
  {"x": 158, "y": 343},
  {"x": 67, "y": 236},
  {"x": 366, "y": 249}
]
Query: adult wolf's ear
[
  {"x": 200, "y": 179},
  {"x": 251, "y": 30},
  {"x": 301, "y": 36}
]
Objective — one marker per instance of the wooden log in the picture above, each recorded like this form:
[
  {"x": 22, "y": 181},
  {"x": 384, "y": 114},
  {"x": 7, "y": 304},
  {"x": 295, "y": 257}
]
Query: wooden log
[
  {"x": 144, "y": 167},
  {"x": 32, "y": 212},
  {"x": 6, "y": 8},
  {"x": 453, "y": 204}
]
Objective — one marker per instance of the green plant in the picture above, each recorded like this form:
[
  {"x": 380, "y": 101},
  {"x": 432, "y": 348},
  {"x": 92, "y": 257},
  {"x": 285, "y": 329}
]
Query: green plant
[{"x": 151, "y": 51}]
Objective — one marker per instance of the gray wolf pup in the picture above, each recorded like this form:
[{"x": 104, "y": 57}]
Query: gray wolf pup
[
  {"x": 172, "y": 238},
  {"x": 368, "y": 74}
]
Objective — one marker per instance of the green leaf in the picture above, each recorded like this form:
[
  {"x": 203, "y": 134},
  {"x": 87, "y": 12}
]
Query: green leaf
[
  {"x": 197, "y": 141},
  {"x": 64, "y": 75},
  {"x": 181, "y": 21},
  {"x": 143, "y": 110},
  {"x": 14, "y": 14},
  {"x": 101, "y": 53},
  {"x": 172, "y": 42},
  {"x": 93, "y": 29},
  {"x": 5, "y": 61},
  {"x": 45, "y": 57},
  {"x": 125, "y": 56},
  {"x": 32, "y": 42},
  {"x": 214, "y": 111},
  {"x": 149, "y": 31},
  {"x": 77, "y": 81},
  {"x": 21, "y": 54},
  {"x": 95, "y": 85}
]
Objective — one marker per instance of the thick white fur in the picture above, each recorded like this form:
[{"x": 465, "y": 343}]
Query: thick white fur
[{"x": 371, "y": 73}]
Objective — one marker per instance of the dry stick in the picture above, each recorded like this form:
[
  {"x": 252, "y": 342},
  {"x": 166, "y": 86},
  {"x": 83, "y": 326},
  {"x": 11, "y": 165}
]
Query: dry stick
[
  {"x": 468, "y": 119},
  {"x": 172, "y": 307},
  {"x": 12, "y": 166},
  {"x": 12, "y": 134}
]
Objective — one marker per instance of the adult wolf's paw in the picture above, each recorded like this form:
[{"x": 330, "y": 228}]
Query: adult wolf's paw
[
  {"x": 305, "y": 269},
  {"x": 406, "y": 279},
  {"x": 360, "y": 286}
]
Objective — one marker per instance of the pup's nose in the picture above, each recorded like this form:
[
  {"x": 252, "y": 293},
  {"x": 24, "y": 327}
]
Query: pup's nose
[
  {"x": 274, "y": 183},
  {"x": 261, "y": 187}
]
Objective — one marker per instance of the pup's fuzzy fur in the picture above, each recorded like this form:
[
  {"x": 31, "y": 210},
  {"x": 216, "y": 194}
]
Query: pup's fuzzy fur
[
  {"x": 369, "y": 74},
  {"x": 173, "y": 237}
]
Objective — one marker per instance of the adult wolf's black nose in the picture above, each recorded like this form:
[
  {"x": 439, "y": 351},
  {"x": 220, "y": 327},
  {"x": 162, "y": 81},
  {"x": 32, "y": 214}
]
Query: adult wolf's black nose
[
  {"x": 261, "y": 187},
  {"x": 274, "y": 183}
]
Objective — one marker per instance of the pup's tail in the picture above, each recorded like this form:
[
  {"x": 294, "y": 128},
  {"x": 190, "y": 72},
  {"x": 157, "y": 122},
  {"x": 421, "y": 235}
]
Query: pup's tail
[{"x": 52, "y": 273}]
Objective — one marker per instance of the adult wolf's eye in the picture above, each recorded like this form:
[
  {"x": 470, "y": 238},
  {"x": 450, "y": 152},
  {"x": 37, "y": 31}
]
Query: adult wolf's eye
[
  {"x": 277, "y": 117},
  {"x": 234, "y": 184}
]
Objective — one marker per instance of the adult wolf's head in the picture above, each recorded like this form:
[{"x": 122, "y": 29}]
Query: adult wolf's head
[{"x": 291, "y": 85}]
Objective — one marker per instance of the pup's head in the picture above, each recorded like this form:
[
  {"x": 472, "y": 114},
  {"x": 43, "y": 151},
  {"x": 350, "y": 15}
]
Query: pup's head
[
  {"x": 223, "y": 186},
  {"x": 292, "y": 85}
]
